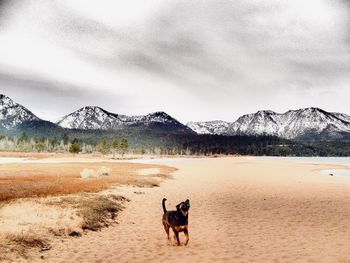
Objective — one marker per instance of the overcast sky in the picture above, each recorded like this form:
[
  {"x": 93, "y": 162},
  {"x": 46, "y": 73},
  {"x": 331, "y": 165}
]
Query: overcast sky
[{"x": 196, "y": 60}]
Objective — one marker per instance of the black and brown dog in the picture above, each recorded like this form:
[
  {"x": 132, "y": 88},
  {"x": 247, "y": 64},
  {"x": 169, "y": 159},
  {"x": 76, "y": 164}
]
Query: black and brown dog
[{"x": 177, "y": 220}]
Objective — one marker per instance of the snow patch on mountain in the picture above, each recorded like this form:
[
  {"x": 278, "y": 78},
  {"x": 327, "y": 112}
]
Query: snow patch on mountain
[
  {"x": 13, "y": 114},
  {"x": 290, "y": 125},
  {"x": 302, "y": 123},
  {"x": 209, "y": 127},
  {"x": 94, "y": 118}
]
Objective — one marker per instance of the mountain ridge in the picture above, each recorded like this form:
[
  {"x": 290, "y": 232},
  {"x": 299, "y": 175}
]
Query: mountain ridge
[
  {"x": 12, "y": 113},
  {"x": 302, "y": 124},
  {"x": 96, "y": 118},
  {"x": 293, "y": 124}
]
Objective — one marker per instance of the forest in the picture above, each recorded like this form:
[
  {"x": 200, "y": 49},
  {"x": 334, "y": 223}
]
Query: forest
[{"x": 143, "y": 142}]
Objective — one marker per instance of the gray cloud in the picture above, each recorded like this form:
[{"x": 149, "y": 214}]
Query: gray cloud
[
  {"x": 52, "y": 98},
  {"x": 208, "y": 41},
  {"x": 230, "y": 56},
  {"x": 40, "y": 84},
  {"x": 228, "y": 42}
]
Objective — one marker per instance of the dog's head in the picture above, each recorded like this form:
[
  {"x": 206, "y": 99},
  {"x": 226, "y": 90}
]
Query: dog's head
[{"x": 183, "y": 207}]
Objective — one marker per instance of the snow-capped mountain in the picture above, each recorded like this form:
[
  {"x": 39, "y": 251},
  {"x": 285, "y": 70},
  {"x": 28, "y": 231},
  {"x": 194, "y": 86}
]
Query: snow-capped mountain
[
  {"x": 209, "y": 127},
  {"x": 13, "y": 114},
  {"x": 308, "y": 122},
  {"x": 96, "y": 118}
]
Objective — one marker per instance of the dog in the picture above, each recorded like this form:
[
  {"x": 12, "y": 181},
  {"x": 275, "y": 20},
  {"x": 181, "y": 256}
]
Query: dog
[{"x": 177, "y": 220}]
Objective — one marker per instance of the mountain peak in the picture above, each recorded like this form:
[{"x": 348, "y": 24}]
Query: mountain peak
[
  {"x": 90, "y": 108},
  {"x": 12, "y": 113},
  {"x": 96, "y": 118},
  {"x": 310, "y": 122},
  {"x": 160, "y": 115},
  {"x": 5, "y": 100},
  {"x": 312, "y": 109},
  {"x": 263, "y": 112},
  {"x": 209, "y": 127},
  {"x": 88, "y": 117},
  {"x": 2, "y": 96}
]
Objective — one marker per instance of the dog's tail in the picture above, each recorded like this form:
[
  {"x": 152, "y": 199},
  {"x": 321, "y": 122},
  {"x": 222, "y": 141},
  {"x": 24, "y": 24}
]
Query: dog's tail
[{"x": 163, "y": 204}]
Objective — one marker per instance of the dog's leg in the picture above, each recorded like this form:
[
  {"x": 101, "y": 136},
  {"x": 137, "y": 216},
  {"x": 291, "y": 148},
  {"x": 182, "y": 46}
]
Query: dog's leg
[
  {"x": 177, "y": 237},
  {"x": 166, "y": 228},
  {"x": 187, "y": 236}
]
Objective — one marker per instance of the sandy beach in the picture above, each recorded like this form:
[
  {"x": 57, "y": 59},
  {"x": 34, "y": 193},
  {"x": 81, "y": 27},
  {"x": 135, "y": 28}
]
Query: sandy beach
[{"x": 242, "y": 210}]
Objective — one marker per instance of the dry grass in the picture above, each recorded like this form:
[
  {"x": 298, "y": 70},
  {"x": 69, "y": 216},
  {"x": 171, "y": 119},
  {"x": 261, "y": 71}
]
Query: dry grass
[
  {"x": 98, "y": 212},
  {"x": 40, "y": 180},
  {"x": 20, "y": 244},
  {"x": 69, "y": 191},
  {"x": 34, "y": 155},
  {"x": 95, "y": 210}
]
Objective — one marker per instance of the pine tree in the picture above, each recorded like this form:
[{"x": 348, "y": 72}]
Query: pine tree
[
  {"x": 115, "y": 146},
  {"x": 75, "y": 146},
  {"x": 65, "y": 138},
  {"x": 143, "y": 150},
  {"x": 24, "y": 138},
  {"x": 124, "y": 145},
  {"x": 104, "y": 147}
]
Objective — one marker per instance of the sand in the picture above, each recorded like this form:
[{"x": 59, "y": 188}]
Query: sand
[
  {"x": 242, "y": 210},
  {"x": 37, "y": 216}
]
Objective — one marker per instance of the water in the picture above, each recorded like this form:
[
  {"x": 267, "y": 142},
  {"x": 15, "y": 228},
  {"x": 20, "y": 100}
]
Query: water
[
  {"x": 314, "y": 160},
  {"x": 336, "y": 172},
  {"x": 320, "y": 160}
]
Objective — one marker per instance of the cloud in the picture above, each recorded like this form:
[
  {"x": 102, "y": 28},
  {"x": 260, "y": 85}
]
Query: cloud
[
  {"x": 51, "y": 99},
  {"x": 40, "y": 84},
  {"x": 233, "y": 41},
  {"x": 224, "y": 58}
]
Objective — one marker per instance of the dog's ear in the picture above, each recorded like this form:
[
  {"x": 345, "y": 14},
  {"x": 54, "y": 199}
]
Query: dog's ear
[{"x": 178, "y": 206}]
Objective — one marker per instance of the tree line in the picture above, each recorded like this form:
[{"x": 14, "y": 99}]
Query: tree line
[
  {"x": 171, "y": 145},
  {"x": 114, "y": 147},
  {"x": 24, "y": 143}
]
